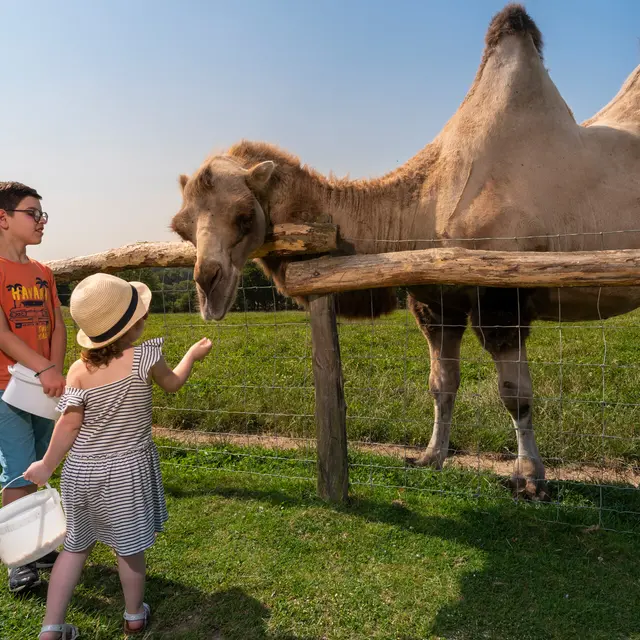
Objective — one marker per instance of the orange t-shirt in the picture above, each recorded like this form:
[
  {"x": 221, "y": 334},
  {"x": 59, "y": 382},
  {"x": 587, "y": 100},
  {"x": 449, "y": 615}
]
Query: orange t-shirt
[{"x": 28, "y": 296}]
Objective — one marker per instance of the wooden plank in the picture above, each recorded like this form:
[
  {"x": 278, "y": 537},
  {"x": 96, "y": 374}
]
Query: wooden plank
[
  {"x": 330, "y": 409},
  {"x": 456, "y": 266},
  {"x": 286, "y": 240},
  {"x": 299, "y": 239}
]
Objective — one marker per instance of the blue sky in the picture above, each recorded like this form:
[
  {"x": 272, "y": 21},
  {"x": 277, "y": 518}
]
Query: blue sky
[{"x": 105, "y": 103}]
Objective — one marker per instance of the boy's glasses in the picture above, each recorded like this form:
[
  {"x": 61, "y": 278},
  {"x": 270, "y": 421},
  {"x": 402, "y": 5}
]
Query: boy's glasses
[{"x": 36, "y": 214}]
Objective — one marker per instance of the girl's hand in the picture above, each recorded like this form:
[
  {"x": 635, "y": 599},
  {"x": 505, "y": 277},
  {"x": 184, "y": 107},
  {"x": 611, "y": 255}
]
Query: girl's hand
[
  {"x": 38, "y": 473},
  {"x": 200, "y": 349}
]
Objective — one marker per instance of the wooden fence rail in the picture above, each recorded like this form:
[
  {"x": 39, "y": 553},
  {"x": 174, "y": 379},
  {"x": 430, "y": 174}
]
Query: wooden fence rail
[
  {"x": 286, "y": 240},
  {"x": 456, "y": 266}
]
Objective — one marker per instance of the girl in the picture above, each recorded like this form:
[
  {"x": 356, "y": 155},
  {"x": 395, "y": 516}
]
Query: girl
[{"x": 111, "y": 481}]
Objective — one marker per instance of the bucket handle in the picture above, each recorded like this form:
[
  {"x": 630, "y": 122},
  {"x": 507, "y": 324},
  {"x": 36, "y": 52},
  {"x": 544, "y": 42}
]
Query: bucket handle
[{"x": 46, "y": 484}]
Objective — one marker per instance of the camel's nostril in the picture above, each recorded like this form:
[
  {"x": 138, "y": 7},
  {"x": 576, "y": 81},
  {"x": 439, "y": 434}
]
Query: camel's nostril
[
  {"x": 209, "y": 277},
  {"x": 214, "y": 276}
]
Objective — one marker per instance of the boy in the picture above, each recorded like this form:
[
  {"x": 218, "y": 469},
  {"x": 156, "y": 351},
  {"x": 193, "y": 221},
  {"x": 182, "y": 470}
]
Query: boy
[{"x": 32, "y": 332}]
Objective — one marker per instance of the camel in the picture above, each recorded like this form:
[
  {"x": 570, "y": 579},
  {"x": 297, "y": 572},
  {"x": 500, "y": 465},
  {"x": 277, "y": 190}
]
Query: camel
[{"x": 511, "y": 170}]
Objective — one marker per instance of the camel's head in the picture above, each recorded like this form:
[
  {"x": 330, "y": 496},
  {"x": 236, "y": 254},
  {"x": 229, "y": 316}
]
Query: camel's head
[{"x": 222, "y": 217}]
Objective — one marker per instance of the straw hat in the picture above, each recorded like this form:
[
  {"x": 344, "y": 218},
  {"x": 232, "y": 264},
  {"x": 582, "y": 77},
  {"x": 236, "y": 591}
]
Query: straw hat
[{"x": 106, "y": 307}]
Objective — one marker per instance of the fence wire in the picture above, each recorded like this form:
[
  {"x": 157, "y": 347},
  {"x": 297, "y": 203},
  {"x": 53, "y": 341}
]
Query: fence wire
[{"x": 249, "y": 407}]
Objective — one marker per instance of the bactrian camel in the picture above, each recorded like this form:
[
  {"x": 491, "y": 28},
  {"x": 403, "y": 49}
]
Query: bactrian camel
[{"x": 511, "y": 170}]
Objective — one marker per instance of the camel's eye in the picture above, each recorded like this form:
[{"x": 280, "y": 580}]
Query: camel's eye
[
  {"x": 180, "y": 225},
  {"x": 244, "y": 221}
]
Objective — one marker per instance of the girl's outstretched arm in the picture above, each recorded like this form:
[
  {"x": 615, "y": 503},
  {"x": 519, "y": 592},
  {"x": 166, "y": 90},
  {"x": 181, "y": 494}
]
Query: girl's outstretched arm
[{"x": 172, "y": 380}]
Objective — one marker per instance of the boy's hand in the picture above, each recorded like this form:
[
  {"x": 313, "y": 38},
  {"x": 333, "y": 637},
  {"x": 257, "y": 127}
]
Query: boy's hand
[
  {"x": 200, "y": 349},
  {"x": 53, "y": 383},
  {"x": 38, "y": 473}
]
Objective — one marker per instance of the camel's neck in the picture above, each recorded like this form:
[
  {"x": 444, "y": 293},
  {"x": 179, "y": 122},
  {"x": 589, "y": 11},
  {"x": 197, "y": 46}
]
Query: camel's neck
[{"x": 373, "y": 216}]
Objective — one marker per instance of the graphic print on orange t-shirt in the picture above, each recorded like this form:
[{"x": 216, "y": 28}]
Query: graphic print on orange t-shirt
[
  {"x": 28, "y": 297},
  {"x": 29, "y": 308}
]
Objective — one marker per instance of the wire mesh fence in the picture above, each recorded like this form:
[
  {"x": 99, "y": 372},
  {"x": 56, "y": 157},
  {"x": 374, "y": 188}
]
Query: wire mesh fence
[{"x": 249, "y": 407}]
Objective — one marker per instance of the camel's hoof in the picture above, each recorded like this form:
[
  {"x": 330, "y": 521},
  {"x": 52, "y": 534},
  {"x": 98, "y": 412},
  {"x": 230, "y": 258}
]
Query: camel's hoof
[
  {"x": 427, "y": 460},
  {"x": 529, "y": 489}
]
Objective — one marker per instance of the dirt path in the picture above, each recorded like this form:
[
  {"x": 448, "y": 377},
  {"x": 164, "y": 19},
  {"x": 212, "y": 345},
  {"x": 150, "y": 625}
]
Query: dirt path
[{"x": 612, "y": 473}]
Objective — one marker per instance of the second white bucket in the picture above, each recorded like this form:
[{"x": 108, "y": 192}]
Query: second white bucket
[{"x": 31, "y": 527}]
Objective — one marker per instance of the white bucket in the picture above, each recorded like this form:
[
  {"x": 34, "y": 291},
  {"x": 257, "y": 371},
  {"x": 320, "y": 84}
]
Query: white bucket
[
  {"x": 31, "y": 527},
  {"x": 24, "y": 391}
]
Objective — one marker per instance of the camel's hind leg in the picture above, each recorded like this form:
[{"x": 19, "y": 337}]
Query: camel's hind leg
[
  {"x": 444, "y": 335},
  {"x": 501, "y": 320}
]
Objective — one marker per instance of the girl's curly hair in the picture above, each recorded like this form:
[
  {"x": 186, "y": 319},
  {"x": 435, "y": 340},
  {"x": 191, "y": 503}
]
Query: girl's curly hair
[{"x": 96, "y": 358}]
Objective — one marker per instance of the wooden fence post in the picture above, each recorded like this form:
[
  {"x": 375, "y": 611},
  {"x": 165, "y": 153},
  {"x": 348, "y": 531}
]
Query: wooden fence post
[{"x": 330, "y": 407}]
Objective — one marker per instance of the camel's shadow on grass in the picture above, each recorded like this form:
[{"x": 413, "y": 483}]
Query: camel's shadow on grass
[
  {"x": 179, "y": 612},
  {"x": 184, "y": 612},
  {"x": 539, "y": 580}
]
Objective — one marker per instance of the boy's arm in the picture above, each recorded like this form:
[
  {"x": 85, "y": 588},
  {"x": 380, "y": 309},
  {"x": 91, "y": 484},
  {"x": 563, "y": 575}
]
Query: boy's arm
[
  {"x": 18, "y": 350},
  {"x": 58, "y": 340},
  {"x": 52, "y": 381}
]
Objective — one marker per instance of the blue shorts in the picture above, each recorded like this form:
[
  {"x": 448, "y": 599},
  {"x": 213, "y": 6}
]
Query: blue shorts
[{"x": 24, "y": 438}]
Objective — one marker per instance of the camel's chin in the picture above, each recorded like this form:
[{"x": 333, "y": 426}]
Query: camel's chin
[
  {"x": 216, "y": 305},
  {"x": 214, "y": 309},
  {"x": 208, "y": 315}
]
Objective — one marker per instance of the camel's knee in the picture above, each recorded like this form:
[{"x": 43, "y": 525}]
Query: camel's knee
[
  {"x": 517, "y": 398},
  {"x": 444, "y": 385}
]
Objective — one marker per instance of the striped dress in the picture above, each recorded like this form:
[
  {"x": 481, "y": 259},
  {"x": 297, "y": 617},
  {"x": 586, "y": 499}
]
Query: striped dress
[{"x": 111, "y": 481}]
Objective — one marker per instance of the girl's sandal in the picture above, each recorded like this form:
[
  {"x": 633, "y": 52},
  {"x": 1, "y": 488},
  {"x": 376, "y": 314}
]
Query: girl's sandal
[
  {"x": 136, "y": 617},
  {"x": 63, "y": 629}
]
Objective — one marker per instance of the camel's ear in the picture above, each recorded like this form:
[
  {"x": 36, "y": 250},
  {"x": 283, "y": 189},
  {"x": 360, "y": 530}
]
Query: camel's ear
[
  {"x": 183, "y": 181},
  {"x": 259, "y": 174}
]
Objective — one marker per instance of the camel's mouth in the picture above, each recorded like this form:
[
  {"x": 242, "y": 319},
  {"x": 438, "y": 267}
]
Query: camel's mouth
[{"x": 215, "y": 304}]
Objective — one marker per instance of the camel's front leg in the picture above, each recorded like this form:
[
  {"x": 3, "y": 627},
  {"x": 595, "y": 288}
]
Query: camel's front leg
[
  {"x": 444, "y": 380},
  {"x": 444, "y": 340}
]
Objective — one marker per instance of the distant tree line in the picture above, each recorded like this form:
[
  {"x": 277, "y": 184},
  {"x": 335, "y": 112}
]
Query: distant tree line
[{"x": 174, "y": 290}]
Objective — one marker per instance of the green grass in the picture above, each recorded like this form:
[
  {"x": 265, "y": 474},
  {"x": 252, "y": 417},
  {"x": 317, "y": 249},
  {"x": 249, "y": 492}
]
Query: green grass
[
  {"x": 251, "y": 553},
  {"x": 261, "y": 558},
  {"x": 258, "y": 379}
]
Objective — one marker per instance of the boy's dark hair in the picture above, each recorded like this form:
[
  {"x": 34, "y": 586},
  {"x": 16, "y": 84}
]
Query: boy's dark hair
[{"x": 13, "y": 193}]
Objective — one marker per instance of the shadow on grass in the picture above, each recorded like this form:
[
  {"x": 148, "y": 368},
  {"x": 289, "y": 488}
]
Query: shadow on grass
[
  {"x": 181, "y": 612},
  {"x": 538, "y": 581}
]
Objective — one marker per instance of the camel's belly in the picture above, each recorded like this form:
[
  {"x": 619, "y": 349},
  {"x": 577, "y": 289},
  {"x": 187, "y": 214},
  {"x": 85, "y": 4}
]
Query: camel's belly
[{"x": 585, "y": 303}]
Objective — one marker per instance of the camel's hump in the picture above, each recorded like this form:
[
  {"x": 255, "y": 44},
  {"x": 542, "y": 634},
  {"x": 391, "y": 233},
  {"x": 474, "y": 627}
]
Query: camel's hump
[{"x": 513, "y": 20}]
